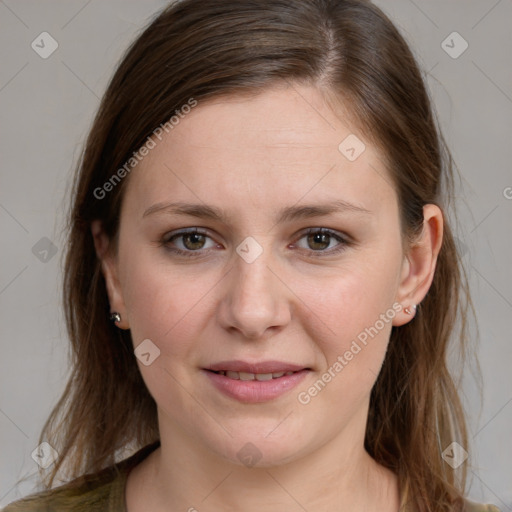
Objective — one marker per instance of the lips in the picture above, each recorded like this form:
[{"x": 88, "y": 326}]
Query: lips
[
  {"x": 263, "y": 367},
  {"x": 255, "y": 382},
  {"x": 253, "y": 376}
]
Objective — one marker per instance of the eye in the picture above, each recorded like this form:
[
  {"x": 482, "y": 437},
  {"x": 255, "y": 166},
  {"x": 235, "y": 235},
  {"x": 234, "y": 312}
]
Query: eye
[
  {"x": 193, "y": 240},
  {"x": 196, "y": 242},
  {"x": 321, "y": 240}
]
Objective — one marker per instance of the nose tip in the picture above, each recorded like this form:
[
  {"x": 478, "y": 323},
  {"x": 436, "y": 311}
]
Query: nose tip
[
  {"x": 254, "y": 303},
  {"x": 254, "y": 326}
]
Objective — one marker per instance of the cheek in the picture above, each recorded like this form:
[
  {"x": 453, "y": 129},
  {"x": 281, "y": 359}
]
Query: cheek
[
  {"x": 349, "y": 299},
  {"x": 351, "y": 352},
  {"x": 349, "y": 316},
  {"x": 165, "y": 303},
  {"x": 169, "y": 307}
]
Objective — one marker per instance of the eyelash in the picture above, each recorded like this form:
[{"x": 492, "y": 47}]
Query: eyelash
[{"x": 344, "y": 242}]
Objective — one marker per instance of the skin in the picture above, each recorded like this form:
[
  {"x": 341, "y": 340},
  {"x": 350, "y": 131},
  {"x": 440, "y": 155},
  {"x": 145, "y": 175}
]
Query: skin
[{"x": 297, "y": 302}]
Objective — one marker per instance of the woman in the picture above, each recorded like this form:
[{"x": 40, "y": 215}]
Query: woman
[{"x": 261, "y": 281}]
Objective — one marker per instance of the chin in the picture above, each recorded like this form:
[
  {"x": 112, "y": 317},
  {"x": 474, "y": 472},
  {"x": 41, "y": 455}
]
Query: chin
[{"x": 260, "y": 450}]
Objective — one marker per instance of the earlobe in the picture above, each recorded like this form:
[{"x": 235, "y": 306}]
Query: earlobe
[
  {"x": 110, "y": 273},
  {"x": 419, "y": 264},
  {"x": 411, "y": 310}
]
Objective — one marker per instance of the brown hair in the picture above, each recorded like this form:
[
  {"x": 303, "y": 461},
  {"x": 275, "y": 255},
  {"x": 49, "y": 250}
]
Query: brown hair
[{"x": 207, "y": 48}]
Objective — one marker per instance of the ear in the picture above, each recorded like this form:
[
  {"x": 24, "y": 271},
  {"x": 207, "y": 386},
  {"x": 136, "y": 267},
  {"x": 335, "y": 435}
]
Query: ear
[
  {"x": 419, "y": 264},
  {"x": 109, "y": 270}
]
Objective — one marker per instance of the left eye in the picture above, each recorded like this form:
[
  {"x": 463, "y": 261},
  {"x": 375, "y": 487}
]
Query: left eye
[{"x": 319, "y": 240}]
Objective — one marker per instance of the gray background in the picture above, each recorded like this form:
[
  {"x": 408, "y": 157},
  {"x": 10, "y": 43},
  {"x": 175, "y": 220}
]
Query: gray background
[{"x": 47, "y": 106}]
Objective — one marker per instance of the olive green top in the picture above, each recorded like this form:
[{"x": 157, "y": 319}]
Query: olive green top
[{"x": 105, "y": 492}]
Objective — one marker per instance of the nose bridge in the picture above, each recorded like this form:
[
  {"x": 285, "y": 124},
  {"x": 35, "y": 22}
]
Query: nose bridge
[
  {"x": 253, "y": 279},
  {"x": 254, "y": 301}
]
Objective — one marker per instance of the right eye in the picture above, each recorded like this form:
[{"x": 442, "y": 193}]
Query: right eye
[{"x": 188, "y": 242}]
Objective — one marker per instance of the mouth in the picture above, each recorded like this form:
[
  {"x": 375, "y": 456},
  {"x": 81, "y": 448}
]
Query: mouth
[
  {"x": 252, "y": 376},
  {"x": 255, "y": 382}
]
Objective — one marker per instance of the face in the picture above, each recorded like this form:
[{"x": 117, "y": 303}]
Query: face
[{"x": 249, "y": 241}]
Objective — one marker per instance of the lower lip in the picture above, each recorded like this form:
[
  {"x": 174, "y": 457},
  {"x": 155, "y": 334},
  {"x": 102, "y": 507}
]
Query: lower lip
[{"x": 255, "y": 391}]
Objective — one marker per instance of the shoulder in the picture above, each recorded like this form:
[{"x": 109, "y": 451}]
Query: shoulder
[
  {"x": 471, "y": 506},
  {"x": 91, "y": 492},
  {"x": 99, "y": 492}
]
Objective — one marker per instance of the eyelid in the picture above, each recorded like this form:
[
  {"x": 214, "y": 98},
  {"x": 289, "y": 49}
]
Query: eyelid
[
  {"x": 185, "y": 231},
  {"x": 323, "y": 230}
]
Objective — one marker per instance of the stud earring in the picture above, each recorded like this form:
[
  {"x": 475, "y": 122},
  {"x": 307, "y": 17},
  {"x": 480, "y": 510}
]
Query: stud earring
[
  {"x": 411, "y": 310},
  {"x": 115, "y": 317}
]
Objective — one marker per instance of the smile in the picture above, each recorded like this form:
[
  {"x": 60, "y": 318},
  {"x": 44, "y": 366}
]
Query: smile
[
  {"x": 251, "y": 388},
  {"x": 252, "y": 376}
]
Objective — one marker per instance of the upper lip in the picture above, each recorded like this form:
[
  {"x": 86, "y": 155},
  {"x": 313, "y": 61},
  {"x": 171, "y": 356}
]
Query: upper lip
[{"x": 259, "y": 367}]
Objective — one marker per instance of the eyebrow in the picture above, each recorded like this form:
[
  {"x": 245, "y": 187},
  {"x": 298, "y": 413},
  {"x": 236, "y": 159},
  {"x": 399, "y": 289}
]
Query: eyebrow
[{"x": 287, "y": 214}]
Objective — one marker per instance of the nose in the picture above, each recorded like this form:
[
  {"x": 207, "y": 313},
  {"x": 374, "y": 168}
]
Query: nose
[{"x": 255, "y": 300}]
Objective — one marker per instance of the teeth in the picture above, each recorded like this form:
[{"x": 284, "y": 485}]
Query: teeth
[
  {"x": 252, "y": 376},
  {"x": 263, "y": 376}
]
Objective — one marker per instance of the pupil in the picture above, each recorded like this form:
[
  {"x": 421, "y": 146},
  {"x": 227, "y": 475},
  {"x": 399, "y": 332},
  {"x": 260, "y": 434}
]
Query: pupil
[
  {"x": 194, "y": 241},
  {"x": 319, "y": 241}
]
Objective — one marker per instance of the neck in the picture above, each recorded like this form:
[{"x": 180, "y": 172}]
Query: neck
[{"x": 183, "y": 476}]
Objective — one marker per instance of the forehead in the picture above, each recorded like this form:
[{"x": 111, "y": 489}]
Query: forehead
[
  {"x": 275, "y": 146},
  {"x": 281, "y": 117}
]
